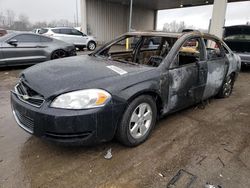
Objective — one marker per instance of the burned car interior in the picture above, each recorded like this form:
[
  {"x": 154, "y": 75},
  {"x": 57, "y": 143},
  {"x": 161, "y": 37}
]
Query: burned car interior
[
  {"x": 151, "y": 50},
  {"x": 143, "y": 50}
]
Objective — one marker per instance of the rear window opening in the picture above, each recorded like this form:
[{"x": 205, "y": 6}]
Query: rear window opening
[{"x": 143, "y": 50}]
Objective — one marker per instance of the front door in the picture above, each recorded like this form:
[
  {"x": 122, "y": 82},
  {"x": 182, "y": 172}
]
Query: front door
[
  {"x": 187, "y": 76},
  {"x": 27, "y": 50}
]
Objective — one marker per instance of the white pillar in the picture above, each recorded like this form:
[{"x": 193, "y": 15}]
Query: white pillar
[
  {"x": 83, "y": 16},
  {"x": 218, "y": 17}
]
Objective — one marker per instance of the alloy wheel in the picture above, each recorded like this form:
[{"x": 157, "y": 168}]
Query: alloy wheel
[{"x": 140, "y": 120}]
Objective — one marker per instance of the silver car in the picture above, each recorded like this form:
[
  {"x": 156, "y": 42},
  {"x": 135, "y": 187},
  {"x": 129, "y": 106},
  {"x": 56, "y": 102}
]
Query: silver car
[
  {"x": 71, "y": 35},
  {"x": 29, "y": 48}
]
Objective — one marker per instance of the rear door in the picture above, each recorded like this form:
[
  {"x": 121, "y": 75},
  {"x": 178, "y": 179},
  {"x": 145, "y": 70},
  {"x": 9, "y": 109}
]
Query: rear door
[
  {"x": 187, "y": 75},
  {"x": 217, "y": 64},
  {"x": 63, "y": 34},
  {"x": 28, "y": 50}
]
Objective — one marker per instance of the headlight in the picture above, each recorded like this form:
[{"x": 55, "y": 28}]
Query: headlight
[{"x": 83, "y": 99}]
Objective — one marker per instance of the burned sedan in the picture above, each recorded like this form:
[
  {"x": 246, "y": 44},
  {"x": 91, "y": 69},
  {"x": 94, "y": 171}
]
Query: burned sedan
[
  {"x": 23, "y": 48},
  {"x": 121, "y": 89}
]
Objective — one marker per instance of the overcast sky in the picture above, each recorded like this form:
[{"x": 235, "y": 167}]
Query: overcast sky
[
  {"x": 48, "y": 10},
  {"x": 237, "y": 13}
]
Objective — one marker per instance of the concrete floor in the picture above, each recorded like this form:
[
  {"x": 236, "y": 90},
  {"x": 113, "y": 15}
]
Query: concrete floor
[{"x": 213, "y": 144}]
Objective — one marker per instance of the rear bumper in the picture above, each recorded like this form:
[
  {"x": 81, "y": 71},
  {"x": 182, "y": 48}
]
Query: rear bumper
[
  {"x": 245, "y": 59},
  {"x": 81, "y": 127}
]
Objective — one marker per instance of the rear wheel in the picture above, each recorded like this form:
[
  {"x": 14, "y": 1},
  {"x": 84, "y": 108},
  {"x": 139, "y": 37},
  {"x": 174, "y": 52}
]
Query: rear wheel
[
  {"x": 58, "y": 54},
  {"x": 227, "y": 87},
  {"x": 91, "y": 45},
  {"x": 138, "y": 121}
]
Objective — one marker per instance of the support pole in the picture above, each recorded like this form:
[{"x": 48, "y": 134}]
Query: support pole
[
  {"x": 130, "y": 16},
  {"x": 218, "y": 18},
  {"x": 77, "y": 16},
  {"x": 130, "y": 22},
  {"x": 83, "y": 16}
]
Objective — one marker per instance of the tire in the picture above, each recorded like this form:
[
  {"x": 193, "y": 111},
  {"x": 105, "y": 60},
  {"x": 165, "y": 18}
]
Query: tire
[
  {"x": 58, "y": 54},
  {"x": 227, "y": 87},
  {"x": 133, "y": 129},
  {"x": 91, "y": 46}
]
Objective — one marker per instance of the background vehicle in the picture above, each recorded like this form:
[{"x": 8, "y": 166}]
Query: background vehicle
[
  {"x": 238, "y": 39},
  {"x": 119, "y": 92},
  {"x": 71, "y": 35},
  {"x": 28, "y": 48},
  {"x": 36, "y": 31},
  {"x": 2, "y": 32}
]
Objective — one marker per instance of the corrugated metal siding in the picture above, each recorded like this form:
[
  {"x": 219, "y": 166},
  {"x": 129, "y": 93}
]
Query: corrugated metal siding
[{"x": 108, "y": 20}]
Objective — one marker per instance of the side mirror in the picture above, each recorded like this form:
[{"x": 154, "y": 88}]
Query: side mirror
[{"x": 13, "y": 42}]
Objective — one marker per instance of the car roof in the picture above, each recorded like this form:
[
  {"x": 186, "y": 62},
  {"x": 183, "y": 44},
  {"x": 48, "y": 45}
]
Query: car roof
[
  {"x": 172, "y": 35},
  {"x": 59, "y": 28},
  {"x": 12, "y": 34}
]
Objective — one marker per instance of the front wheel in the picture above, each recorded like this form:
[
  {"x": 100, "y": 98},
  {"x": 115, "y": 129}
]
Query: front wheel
[
  {"x": 227, "y": 87},
  {"x": 91, "y": 46},
  {"x": 58, "y": 54},
  {"x": 138, "y": 121}
]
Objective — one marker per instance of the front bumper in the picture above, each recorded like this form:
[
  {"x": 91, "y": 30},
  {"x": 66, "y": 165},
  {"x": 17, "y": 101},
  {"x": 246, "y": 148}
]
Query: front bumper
[{"x": 84, "y": 127}]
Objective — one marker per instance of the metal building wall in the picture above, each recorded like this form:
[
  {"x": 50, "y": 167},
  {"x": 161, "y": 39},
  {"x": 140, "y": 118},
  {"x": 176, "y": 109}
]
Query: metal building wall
[{"x": 107, "y": 20}]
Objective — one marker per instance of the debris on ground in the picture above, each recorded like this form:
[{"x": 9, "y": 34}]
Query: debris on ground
[
  {"x": 202, "y": 105},
  {"x": 160, "y": 174},
  {"x": 108, "y": 154},
  {"x": 182, "y": 179},
  {"x": 223, "y": 164},
  {"x": 243, "y": 114},
  {"x": 202, "y": 159},
  {"x": 208, "y": 185},
  {"x": 228, "y": 150},
  {"x": 6, "y": 73}
]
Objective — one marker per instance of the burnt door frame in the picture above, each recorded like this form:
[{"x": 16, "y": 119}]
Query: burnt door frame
[{"x": 186, "y": 83}]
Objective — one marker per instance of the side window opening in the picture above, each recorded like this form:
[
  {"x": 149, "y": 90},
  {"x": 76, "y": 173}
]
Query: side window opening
[
  {"x": 76, "y": 32},
  {"x": 42, "y": 31},
  {"x": 56, "y": 31},
  {"x": 123, "y": 50},
  {"x": 214, "y": 49},
  {"x": 189, "y": 53},
  {"x": 27, "y": 38},
  {"x": 154, "y": 50},
  {"x": 144, "y": 50}
]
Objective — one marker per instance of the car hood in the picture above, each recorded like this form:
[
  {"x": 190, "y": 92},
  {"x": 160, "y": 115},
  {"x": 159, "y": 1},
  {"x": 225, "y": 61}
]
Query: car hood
[{"x": 81, "y": 72}]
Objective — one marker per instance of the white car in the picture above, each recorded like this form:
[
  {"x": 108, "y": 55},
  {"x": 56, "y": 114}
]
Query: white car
[{"x": 71, "y": 35}]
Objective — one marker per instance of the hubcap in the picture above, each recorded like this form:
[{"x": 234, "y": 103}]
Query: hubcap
[
  {"x": 91, "y": 46},
  {"x": 227, "y": 89},
  {"x": 140, "y": 120}
]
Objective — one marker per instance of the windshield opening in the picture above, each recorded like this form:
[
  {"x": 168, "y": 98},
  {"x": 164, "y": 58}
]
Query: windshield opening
[{"x": 143, "y": 50}]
